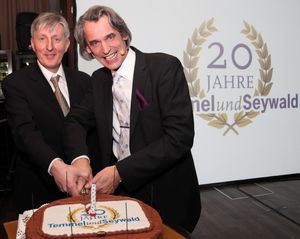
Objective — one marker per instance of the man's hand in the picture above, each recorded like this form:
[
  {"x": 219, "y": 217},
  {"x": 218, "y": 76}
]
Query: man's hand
[
  {"x": 107, "y": 180},
  {"x": 70, "y": 178},
  {"x": 84, "y": 165}
]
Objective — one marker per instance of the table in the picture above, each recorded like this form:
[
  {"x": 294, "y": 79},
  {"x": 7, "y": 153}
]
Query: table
[{"x": 168, "y": 232}]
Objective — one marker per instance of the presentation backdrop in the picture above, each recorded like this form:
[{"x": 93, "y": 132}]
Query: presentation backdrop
[{"x": 241, "y": 60}]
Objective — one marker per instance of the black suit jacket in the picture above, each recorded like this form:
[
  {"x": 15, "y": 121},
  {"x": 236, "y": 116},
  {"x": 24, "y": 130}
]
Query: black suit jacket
[
  {"x": 160, "y": 170},
  {"x": 36, "y": 121}
]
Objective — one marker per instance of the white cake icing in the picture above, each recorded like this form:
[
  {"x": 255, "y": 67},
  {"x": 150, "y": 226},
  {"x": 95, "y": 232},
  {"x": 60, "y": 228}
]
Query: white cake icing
[{"x": 111, "y": 216}]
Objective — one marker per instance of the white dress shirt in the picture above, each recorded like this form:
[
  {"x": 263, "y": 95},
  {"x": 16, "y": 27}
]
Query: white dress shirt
[
  {"x": 126, "y": 71},
  {"x": 62, "y": 83}
]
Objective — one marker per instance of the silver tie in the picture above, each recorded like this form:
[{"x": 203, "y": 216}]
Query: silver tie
[
  {"x": 59, "y": 96},
  {"x": 121, "y": 112}
]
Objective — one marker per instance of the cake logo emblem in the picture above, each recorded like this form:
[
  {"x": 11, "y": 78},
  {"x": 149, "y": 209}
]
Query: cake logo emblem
[
  {"x": 238, "y": 109},
  {"x": 104, "y": 216}
]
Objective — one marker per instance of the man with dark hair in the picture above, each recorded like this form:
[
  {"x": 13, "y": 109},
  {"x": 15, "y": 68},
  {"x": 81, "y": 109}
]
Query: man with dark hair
[{"x": 142, "y": 111}]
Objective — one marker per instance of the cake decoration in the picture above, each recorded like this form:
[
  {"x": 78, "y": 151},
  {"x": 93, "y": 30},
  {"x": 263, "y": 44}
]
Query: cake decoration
[
  {"x": 93, "y": 201},
  {"x": 115, "y": 217}
]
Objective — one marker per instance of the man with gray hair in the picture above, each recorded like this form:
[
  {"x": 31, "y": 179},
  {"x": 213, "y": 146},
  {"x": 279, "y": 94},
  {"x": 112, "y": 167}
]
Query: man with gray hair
[
  {"x": 37, "y": 99},
  {"x": 141, "y": 108}
]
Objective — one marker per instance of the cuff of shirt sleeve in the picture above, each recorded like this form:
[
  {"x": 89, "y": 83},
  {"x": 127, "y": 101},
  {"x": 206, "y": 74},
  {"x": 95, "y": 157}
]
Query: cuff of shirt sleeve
[
  {"x": 50, "y": 165},
  {"x": 81, "y": 156}
]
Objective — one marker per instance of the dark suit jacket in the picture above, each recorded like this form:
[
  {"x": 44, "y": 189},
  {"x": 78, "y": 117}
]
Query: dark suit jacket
[
  {"x": 160, "y": 170},
  {"x": 36, "y": 121}
]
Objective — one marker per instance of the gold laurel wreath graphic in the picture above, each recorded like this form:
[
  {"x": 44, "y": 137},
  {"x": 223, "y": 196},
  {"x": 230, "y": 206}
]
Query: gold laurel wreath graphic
[
  {"x": 264, "y": 59},
  {"x": 191, "y": 58}
]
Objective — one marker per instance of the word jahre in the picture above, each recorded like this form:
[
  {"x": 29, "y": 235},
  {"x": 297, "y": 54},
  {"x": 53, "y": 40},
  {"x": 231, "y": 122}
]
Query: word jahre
[{"x": 229, "y": 82}]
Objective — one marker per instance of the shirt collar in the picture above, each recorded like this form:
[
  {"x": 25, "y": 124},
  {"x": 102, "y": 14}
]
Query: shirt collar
[
  {"x": 48, "y": 74},
  {"x": 126, "y": 70}
]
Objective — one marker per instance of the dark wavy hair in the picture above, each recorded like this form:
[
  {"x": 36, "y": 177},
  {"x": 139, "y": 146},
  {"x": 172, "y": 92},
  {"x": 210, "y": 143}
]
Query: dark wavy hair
[{"x": 94, "y": 14}]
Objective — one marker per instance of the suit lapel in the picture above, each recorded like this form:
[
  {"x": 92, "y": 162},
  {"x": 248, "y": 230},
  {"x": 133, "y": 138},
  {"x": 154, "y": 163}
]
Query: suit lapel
[
  {"x": 44, "y": 90},
  {"x": 102, "y": 94},
  {"x": 108, "y": 102},
  {"x": 102, "y": 90},
  {"x": 71, "y": 84},
  {"x": 139, "y": 81}
]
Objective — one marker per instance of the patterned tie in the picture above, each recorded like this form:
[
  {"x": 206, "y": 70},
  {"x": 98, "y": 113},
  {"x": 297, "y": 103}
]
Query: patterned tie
[
  {"x": 122, "y": 123},
  {"x": 59, "y": 96}
]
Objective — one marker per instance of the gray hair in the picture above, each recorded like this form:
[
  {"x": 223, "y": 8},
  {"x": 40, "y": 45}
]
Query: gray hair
[
  {"x": 49, "y": 20},
  {"x": 93, "y": 14}
]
